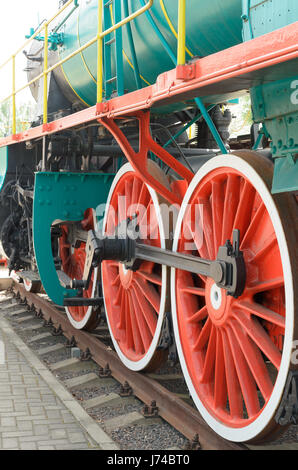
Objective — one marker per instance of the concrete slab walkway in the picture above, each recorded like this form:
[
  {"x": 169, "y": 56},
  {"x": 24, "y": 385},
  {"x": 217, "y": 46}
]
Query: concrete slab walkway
[{"x": 36, "y": 411}]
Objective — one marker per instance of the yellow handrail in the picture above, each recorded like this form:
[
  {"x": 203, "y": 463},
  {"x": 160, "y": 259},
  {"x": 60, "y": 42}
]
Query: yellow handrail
[
  {"x": 45, "y": 75},
  {"x": 14, "y": 113},
  {"x": 98, "y": 39},
  {"x": 99, "y": 54},
  {"x": 181, "y": 54}
]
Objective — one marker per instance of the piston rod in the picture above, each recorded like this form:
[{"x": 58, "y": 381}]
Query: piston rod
[{"x": 227, "y": 271}]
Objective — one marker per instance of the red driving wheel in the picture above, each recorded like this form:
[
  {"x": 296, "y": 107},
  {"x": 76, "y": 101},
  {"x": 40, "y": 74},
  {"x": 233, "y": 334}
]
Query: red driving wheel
[
  {"x": 73, "y": 262},
  {"x": 135, "y": 302},
  {"x": 236, "y": 353}
]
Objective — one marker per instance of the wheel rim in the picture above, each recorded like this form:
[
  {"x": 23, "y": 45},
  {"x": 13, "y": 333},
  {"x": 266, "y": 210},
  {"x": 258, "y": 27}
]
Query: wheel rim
[
  {"x": 235, "y": 353},
  {"x": 135, "y": 301},
  {"x": 73, "y": 262}
]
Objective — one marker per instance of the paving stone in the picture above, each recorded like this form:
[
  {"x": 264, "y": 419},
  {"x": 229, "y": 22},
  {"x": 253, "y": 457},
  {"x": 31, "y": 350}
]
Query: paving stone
[
  {"x": 10, "y": 444},
  {"x": 40, "y": 413},
  {"x": 59, "y": 434},
  {"x": 28, "y": 446},
  {"x": 9, "y": 421}
]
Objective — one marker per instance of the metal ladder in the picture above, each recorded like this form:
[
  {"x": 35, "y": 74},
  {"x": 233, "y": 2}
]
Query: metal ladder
[{"x": 112, "y": 12}]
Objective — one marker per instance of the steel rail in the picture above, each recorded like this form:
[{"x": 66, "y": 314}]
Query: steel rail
[{"x": 175, "y": 411}]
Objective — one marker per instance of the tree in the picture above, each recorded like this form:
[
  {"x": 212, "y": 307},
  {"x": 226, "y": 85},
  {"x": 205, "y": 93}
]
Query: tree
[
  {"x": 24, "y": 117},
  {"x": 242, "y": 119}
]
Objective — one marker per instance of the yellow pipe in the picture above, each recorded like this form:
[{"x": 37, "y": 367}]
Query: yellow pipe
[
  {"x": 45, "y": 77},
  {"x": 162, "y": 5},
  {"x": 99, "y": 54},
  {"x": 181, "y": 57},
  {"x": 14, "y": 114}
]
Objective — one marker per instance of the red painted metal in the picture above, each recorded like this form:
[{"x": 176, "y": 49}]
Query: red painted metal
[
  {"x": 233, "y": 359},
  {"x": 73, "y": 262},
  {"x": 139, "y": 159},
  {"x": 272, "y": 56},
  {"x": 136, "y": 301}
]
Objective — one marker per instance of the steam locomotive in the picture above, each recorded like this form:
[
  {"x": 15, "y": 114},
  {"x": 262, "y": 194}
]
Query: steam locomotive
[{"x": 185, "y": 244}]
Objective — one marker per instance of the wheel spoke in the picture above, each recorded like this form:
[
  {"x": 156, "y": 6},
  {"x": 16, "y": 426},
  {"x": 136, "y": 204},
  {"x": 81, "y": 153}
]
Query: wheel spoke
[
  {"x": 128, "y": 197},
  {"x": 234, "y": 392},
  {"x": 135, "y": 190},
  {"x": 199, "y": 315},
  {"x": 246, "y": 380},
  {"x": 245, "y": 206},
  {"x": 198, "y": 239},
  {"x": 143, "y": 199},
  {"x": 118, "y": 298},
  {"x": 122, "y": 318},
  {"x": 152, "y": 277},
  {"x": 207, "y": 227},
  {"x": 255, "y": 221},
  {"x": 261, "y": 312},
  {"x": 265, "y": 249},
  {"x": 149, "y": 292},
  {"x": 209, "y": 362},
  {"x": 147, "y": 310},
  {"x": 265, "y": 286},
  {"x": 217, "y": 211},
  {"x": 260, "y": 338},
  {"x": 129, "y": 339},
  {"x": 116, "y": 280},
  {"x": 203, "y": 337},
  {"x": 230, "y": 206},
  {"x": 254, "y": 360},
  {"x": 143, "y": 326},
  {"x": 220, "y": 385},
  {"x": 194, "y": 290},
  {"x": 137, "y": 339},
  {"x": 121, "y": 206}
]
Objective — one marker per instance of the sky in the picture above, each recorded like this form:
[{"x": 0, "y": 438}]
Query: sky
[{"x": 16, "y": 19}]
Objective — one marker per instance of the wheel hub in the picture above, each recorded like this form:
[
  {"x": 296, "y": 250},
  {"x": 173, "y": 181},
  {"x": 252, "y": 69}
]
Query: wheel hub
[{"x": 216, "y": 302}]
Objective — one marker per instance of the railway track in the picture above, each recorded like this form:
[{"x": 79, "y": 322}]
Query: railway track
[
  {"x": 151, "y": 391},
  {"x": 132, "y": 394}
]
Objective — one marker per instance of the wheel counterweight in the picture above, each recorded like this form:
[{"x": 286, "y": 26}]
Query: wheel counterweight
[
  {"x": 236, "y": 352},
  {"x": 135, "y": 301}
]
